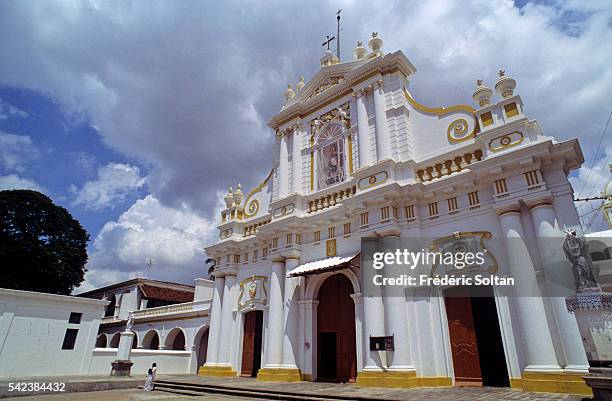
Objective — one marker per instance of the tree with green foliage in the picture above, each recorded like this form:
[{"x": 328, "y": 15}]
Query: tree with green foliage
[{"x": 42, "y": 247}]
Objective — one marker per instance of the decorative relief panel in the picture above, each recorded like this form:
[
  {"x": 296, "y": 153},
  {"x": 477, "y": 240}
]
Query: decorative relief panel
[
  {"x": 226, "y": 233},
  {"x": 506, "y": 141},
  {"x": 325, "y": 85},
  {"x": 373, "y": 180},
  {"x": 330, "y": 247},
  {"x": 283, "y": 210},
  {"x": 462, "y": 242},
  {"x": 253, "y": 293}
]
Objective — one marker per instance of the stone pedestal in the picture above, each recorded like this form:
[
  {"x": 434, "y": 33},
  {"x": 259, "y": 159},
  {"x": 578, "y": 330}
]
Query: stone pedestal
[
  {"x": 593, "y": 313},
  {"x": 122, "y": 365}
]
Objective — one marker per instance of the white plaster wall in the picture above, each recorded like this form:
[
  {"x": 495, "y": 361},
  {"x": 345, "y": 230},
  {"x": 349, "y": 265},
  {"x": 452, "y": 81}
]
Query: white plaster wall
[
  {"x": 32, "y": 329},
  {"x": 168, "y": 362}
]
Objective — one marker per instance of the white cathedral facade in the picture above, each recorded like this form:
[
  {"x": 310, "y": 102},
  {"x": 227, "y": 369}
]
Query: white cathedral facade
[{"x": 357, "y": 156}]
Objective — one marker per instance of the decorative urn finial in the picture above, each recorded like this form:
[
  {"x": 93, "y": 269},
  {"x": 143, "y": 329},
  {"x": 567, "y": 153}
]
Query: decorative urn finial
[
  {"x": 360, "y": 51},
  {"x": 375, "y": 43},
  {"x": 505, "y": 85},
  {"x": 238, "y": 195},
  {"x": 482, "y": 94},
  {"x": 300, "y": 85},
  {"x": 229, "y": 198}
]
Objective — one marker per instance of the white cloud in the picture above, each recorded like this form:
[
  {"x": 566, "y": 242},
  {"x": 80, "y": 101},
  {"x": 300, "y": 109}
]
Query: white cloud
[
  {"x": 172, "y": 237},
  {"x": 16, "y": 151},
  {"x": 13, "y": 181},
  {"x": 7, "y": 111},
  {"x": 115, "y": 181}
]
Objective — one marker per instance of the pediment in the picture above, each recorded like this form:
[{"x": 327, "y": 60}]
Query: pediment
[{"x": 325, "y": 79}]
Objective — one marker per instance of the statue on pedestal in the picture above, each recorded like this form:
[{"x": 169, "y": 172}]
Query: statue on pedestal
[
  {"x": 130, "y": 322},
  {"x": 577, "y": 252}
]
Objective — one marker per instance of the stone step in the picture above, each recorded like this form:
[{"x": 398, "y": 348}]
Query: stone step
[{"x": 197, "y": 389}]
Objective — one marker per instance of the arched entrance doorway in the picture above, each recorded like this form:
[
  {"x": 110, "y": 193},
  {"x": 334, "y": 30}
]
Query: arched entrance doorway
[
  {"x": 336, "y": 356},
  {"x": 251, "y": 343},
  {"x": 476, "y": 344},
  {"x": 201, "y": 342}
]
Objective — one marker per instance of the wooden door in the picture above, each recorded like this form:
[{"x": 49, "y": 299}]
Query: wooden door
[
  {"x": 248, "y": 343},
  {"x": 464, "y": 346},
  {"x": 336, "y": 331}
]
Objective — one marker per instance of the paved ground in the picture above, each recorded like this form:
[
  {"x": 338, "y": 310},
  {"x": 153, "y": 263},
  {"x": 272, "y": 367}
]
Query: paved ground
[
  {"x": 124, "y": 395},
  {"x": 351, "y": 390},
  {"x": 322, "y": 389}
]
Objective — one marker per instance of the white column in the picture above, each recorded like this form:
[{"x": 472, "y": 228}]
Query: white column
[
  {"x": 538, "y": 349},
  {"x": 365, "y": 154},
  {"x": 283, "y": 168},
  {"x": 396, "y": 324},
  {"x": 274, "y": 343},
  {"x": 310, "y": 331},
  {"x": 550, "y": 242},
  {"x": 296, "y": 165},
  {"x": 358, "y": 300},
  {"x": 291, "y": 316},
  {"x": 125, "y": 345},
  {"x": 215, "y": 322},
  {"x": 227, "y": 321},
  {"x": 373, "y": 325},
  {"x": 383, "y": 142}
]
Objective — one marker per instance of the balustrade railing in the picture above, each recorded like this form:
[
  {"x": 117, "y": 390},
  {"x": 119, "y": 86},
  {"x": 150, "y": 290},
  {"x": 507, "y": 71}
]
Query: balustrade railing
[{"x": 449, "y": 166}]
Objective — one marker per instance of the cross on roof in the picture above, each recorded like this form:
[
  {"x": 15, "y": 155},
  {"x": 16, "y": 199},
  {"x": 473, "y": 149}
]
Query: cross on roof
[{"x": 328, "y": 41}]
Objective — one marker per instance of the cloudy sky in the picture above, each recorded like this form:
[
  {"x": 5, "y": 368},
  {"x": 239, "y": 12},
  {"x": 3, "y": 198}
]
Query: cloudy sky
[{"x": 137, "y": 115}]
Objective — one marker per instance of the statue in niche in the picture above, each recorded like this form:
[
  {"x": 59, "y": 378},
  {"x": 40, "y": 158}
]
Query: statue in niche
[{"x": 577, "y": 253}]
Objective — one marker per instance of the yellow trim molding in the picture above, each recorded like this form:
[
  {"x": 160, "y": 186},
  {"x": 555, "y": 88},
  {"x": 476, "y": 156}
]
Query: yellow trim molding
[
  {"x": 439, "y": 111},
  {"x": 400, "y": 379},
  {"x": 217, "y": 371},
  {"x": 253, "y": 192},
  {"x": 279, "y": 375},
  {"x": 565, "y": 383}
]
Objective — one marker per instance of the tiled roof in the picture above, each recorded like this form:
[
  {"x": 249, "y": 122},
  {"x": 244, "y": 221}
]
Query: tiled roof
[{"x": 166, "y": 294}]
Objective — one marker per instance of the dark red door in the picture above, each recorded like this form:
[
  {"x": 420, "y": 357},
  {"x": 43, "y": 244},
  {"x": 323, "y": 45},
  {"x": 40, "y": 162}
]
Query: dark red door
[
  {"x": 337, "y": 360},
  {"x": 248, "y": 343},
  {"x": 464, "y": 347}
]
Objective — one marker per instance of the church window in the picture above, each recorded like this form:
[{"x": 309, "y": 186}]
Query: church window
[
  {"x": 364, "y": 218},
  {"x": 487, "y": 118},
  {"x": 317, "y": 236},
  {"x": 75, "y": 317},
  {"x": 298, "y": 239},
  {"x": 395, "y": 213},
  {"x": 330, "y": 155},
  {"x": 255, "y": 254},
  {"x": 274, "y": 242},
  {"x": 347, "y": 228},
  {"x": 452, "y": 204},
  {"x": 264, "y": 253},
  {"x": 409, "y": 210},
  {"x": 500, "y": 186},
  {"x": 384, "y": 213},
  {"x": 289, "y": 239},
  {"x": 433, "y": 209},
  {"x": 532, "y": 177},
  {"x": 331, "y": 232},
  {"x": 227, "y": 258},
  {"x": 511, "y": 110},
  {"x": 245, "y": 259},
  {"x": 70, "y": 338},
  {"x": 236, "y": 258},
  {"x": 473, "y": 198}
]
